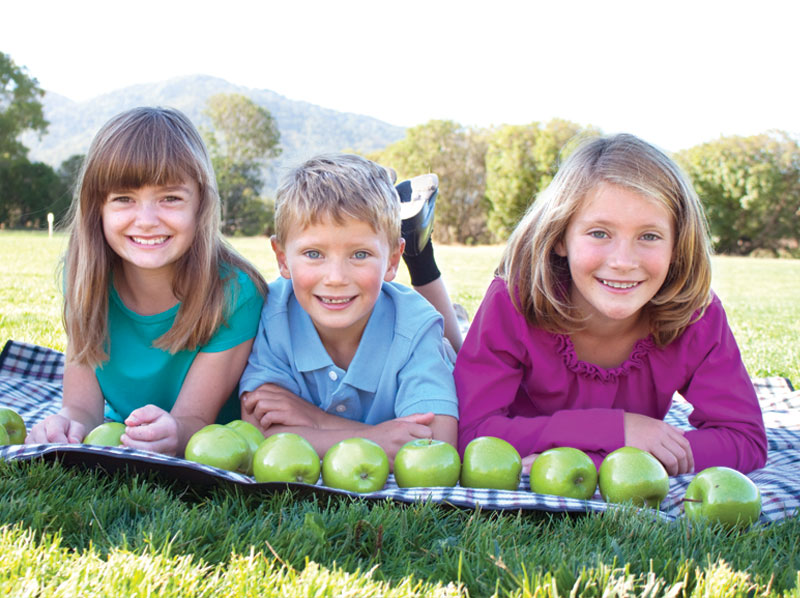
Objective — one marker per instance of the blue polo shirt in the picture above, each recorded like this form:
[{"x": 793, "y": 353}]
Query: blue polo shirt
[{"x": 400, "y": 366}]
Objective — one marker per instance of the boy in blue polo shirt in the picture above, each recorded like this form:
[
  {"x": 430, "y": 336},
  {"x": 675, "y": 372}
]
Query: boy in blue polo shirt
[{"x": 341, "y": 350}]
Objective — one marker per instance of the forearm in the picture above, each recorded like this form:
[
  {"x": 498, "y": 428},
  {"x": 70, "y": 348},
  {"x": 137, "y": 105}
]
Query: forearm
[
  {"x": 82, "y": 400},
  {"x": 744, "y": 451},
  {"x": 445, "y": 427}
]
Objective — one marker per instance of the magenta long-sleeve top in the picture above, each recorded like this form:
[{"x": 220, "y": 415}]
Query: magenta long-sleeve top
[{"x": 526, "y": 385}]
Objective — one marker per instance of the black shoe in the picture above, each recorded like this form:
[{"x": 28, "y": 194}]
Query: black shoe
[{"x": 417, "y": 203}]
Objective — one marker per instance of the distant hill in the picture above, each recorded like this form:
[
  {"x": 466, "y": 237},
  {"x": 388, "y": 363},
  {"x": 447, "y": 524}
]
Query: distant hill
[{"x": 305, "y": 129}]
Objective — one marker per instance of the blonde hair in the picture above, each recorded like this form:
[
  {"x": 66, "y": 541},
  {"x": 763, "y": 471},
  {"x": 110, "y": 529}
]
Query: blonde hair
[
  {"x": 139, "y": 147},
  {"x": 338, "y": 186},
  {"x": 538, "y": 278}
]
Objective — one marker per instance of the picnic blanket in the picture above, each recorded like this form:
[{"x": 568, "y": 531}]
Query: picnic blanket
[{"x": 30, "y": 383}]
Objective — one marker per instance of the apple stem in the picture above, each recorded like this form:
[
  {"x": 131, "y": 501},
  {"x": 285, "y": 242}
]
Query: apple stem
[{"x": 691, "y": 500}]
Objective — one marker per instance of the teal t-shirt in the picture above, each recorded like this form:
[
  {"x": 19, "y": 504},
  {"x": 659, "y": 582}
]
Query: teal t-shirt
[{"x": 138, "y": 374}]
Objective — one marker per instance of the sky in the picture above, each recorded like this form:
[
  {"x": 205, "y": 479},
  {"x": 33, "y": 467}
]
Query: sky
[{"x": 676, "y": 73}]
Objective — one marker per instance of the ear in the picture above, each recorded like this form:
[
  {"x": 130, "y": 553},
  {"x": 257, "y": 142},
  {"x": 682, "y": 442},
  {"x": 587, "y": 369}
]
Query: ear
[
  {"x": 560, "y": 248},
  {"x": 280, "y": 255},
  {"x": 394, "y": 261}
]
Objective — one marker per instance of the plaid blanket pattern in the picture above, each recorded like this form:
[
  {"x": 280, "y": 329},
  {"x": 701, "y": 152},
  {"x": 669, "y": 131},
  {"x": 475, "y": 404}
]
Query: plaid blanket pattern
[{"x": 30, "y": 383}]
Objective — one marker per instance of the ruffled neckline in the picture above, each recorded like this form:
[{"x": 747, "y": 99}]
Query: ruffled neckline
[{"x": 635, "y": 360}]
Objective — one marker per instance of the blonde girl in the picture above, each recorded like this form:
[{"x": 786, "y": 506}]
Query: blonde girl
[
  {"x": 160, "y": 313},
  {"x": 601, "y": 310}
]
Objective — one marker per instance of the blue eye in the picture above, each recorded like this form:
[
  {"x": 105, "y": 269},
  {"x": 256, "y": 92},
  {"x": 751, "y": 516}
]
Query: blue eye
[
  {"x": 650, "y": 237},
  {"x": 598, "y": 234},
  {"x": 312, "y": 254},
  {"x": 361, "y": 255}
]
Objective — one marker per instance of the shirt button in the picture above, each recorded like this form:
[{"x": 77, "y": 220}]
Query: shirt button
[
  {"x": 332, "y": 375},
  {"x": 341, "y": 408}
]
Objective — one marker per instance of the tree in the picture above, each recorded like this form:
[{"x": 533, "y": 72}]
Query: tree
[
  {"x": 750, "y": 188},
  {"x": 456, "y": 154},
  {"x": 20, "y": 108},
  {"x": 244, "y": 137},
  {"x": 29, "y": 190},
  {"x": 521, "y": 160}
]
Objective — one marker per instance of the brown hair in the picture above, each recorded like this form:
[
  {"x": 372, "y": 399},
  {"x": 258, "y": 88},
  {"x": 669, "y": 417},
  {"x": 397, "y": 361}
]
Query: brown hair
[
  {"x": 139, "y": 147},
  {"x": 538, "y": 277}
]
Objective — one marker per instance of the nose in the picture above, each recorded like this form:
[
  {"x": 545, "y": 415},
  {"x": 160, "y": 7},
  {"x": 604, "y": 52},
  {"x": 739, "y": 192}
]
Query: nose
[
  {"x": 336, "y": 272},
  {"x": 146, "y": 214},
  {"x": 623, "y": 255}
]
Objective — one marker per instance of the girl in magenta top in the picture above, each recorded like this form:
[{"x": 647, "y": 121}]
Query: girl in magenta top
[{"x": 600, "y": 311}]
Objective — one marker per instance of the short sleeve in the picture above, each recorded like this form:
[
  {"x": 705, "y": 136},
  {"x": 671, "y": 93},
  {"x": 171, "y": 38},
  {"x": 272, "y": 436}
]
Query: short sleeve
[{"x": 425, "y": 382}]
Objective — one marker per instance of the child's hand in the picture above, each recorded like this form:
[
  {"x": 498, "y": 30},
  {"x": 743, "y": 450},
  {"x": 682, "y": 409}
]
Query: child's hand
[
  {"x": 272, "y": 404},
  {"x": 665, "y": 442},
  {"x": 56, "y": 428},
  {"x": 527, "y": 462},
  {"x": 150, "y": 428},
  {"x": 393, "y": 434}
]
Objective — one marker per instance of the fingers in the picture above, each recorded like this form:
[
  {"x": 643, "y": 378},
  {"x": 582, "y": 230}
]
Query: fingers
[
  {"x": 164, "y": 446},
  {"x": 675, "y": 453},
  {"x": 144, "y": 415},
  {"x": 527, "y": 462},
  {"x": 56, "y": 428},
  {"x": 75, "y": 432},
  {"x": 418, "y": 418}
]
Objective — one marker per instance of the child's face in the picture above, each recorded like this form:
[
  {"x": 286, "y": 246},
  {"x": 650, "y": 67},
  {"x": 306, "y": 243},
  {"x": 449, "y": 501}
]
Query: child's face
[
  {"x": 619, "y": 248},
  {"x": 152, "y": 227},
  {"x": 337, "y": 271}
]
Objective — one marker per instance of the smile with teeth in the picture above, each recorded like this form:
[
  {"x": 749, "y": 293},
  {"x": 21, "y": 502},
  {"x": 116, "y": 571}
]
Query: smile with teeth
[
  {"x": 336, "y": 300},
  {"x": 149, "y": 241},
  {"x": 619, "y": 285}
]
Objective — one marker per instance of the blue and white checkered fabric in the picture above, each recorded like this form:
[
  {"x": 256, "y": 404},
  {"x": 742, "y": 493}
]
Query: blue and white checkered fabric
[{"x": 30, "y": 383}]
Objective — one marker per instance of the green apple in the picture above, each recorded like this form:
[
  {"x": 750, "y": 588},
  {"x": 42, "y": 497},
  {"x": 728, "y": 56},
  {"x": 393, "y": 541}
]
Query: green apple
[
  {"x": 491, "y": 462},
  {"x": 252, "y": 435},
  {"x": 14, "y": 426},
  {"x": 355, "y": 464},
  {"x": 219, "y": 446},
  {"x": 631, "y": 474},
  {"x": 106, "y": 434},
  {"x": 723, "y": 495},
  {"x": 4, "y": 436},
  {"x": 564, "y": 471},
  {"x": 426, "y": 462},
  {"x": 286, "y": 457}
]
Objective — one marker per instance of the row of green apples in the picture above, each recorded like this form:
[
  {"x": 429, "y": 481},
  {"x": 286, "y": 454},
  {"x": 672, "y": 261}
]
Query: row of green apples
[{"x": 718, "y": 494}]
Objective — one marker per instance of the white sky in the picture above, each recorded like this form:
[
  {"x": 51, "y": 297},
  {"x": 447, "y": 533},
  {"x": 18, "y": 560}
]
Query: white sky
[{"x": 674, "y": 72}]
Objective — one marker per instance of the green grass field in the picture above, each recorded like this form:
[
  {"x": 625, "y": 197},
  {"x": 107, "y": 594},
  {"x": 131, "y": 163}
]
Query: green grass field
[{"x": 69, "y": 532}]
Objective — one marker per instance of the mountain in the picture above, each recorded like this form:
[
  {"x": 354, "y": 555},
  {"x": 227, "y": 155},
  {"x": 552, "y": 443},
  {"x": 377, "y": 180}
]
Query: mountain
[{"x": 306, "y": 129}]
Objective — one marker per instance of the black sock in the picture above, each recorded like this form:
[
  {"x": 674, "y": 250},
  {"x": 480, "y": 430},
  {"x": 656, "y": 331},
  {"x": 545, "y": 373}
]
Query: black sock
[{"x": 422, "y": 267}]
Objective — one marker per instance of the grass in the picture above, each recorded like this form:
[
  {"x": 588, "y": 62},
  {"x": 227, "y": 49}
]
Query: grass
[{"x": 67, "y": 532}]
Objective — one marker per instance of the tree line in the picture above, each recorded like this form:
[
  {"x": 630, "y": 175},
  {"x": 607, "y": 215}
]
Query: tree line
[
  {"x": 750, "y": 186},
  {"x": 243, "y": 137}
]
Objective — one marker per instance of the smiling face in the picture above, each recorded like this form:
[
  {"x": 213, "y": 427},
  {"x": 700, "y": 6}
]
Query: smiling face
[
  {"x": 337, "y": 271},
  {"x": 152, "y": 227},
  {"x": 619, "y": 248}
]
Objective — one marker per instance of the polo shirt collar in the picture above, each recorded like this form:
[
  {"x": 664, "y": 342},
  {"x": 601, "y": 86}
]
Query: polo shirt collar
[
  {"x": 312, "y": 354},
  {"x": 366, "y": 368}
]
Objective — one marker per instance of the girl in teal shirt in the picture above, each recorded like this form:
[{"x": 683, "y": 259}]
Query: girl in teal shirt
[{"x": 160, "y": 313}]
